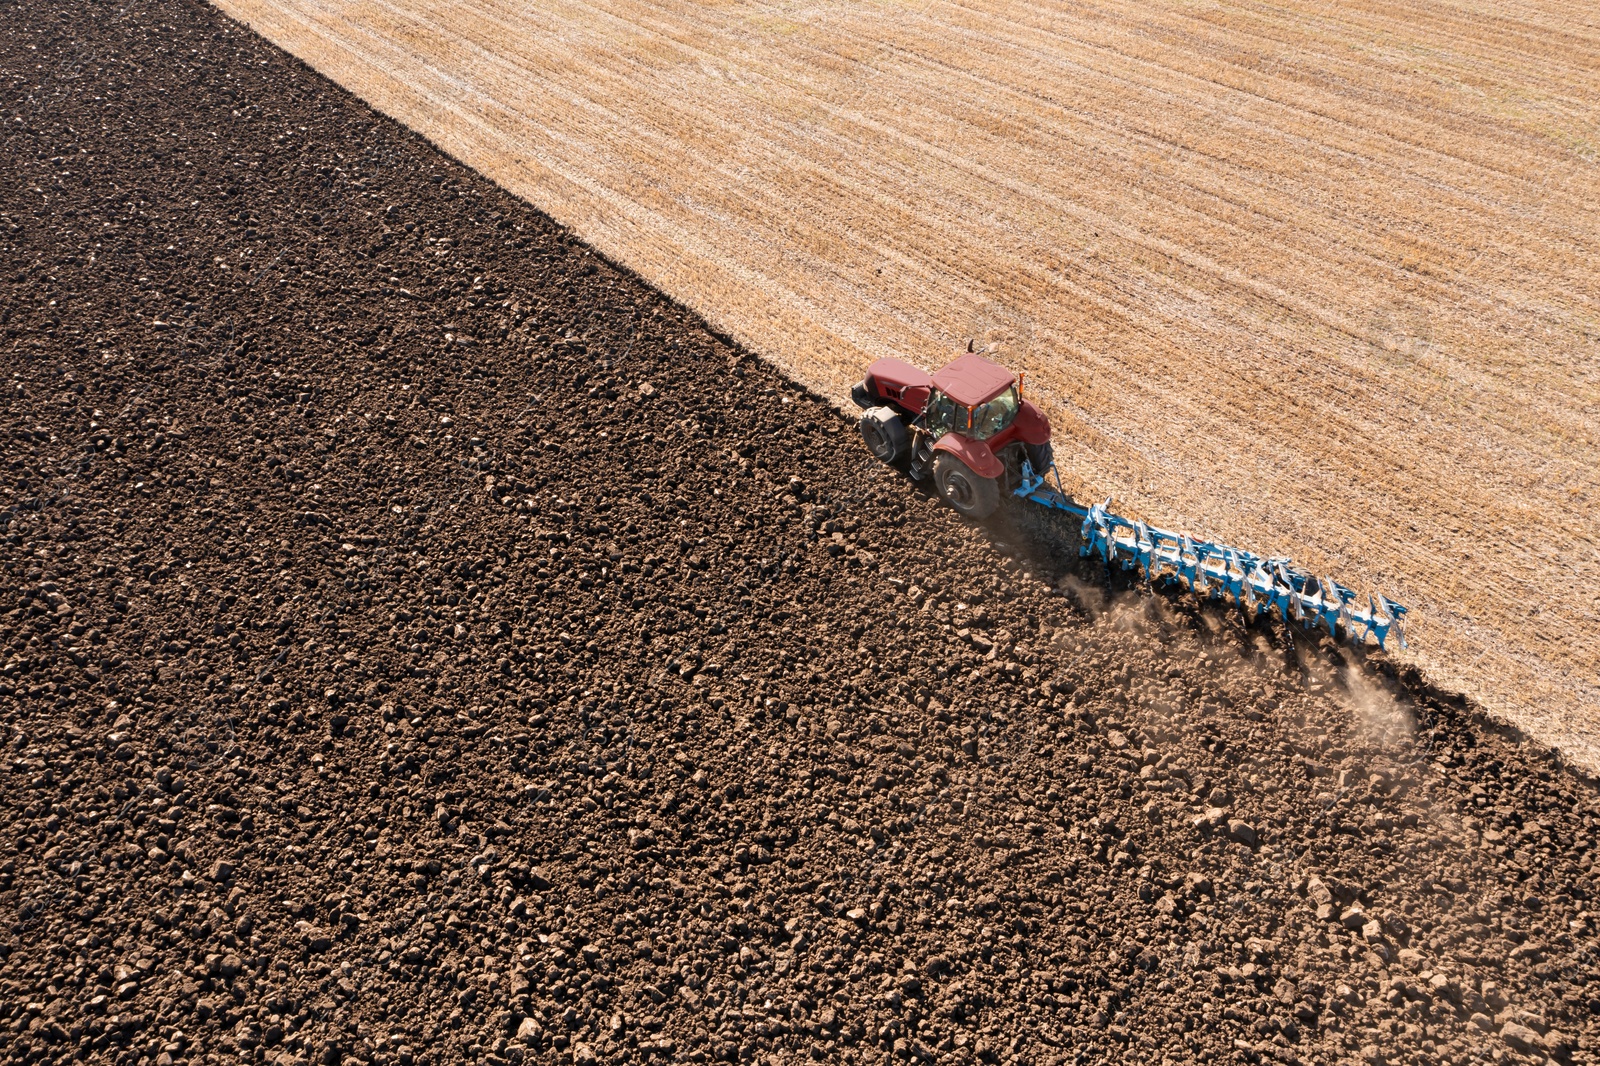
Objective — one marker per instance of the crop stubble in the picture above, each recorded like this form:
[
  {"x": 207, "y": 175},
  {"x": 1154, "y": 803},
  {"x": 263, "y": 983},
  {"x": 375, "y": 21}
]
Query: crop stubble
[{"x": 1314, "y": 280}]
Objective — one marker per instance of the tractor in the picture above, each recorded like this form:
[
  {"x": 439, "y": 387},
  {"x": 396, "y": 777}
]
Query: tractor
[{"x": 966, "y": 425}]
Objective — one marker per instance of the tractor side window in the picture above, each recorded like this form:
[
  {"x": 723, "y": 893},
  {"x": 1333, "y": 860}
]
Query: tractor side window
[
  {"x": 993, "y": 417},
  {"x": 941, "y": 414}
]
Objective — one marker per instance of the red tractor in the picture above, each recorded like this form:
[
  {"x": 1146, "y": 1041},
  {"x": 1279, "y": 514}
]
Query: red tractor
[{"x": 968, "y": 425}]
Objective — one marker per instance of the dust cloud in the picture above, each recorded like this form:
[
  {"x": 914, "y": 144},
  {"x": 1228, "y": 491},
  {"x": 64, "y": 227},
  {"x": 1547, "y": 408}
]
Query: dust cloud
[{"x": 1379, "y": 714}]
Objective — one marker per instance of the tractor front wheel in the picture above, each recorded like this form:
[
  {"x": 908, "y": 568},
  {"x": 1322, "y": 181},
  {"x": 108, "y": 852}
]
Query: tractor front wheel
[
  {"x": 969, "y": 493},
  {"x": 885, "y": 434}
]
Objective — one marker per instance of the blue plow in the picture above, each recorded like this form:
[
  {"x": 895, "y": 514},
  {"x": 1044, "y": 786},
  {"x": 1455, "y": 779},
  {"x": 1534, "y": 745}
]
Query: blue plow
[{"x": 1257, "y": 584}]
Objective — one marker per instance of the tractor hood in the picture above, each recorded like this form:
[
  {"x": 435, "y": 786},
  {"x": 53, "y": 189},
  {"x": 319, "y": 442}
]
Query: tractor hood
[{"x": 972, "y": 380}]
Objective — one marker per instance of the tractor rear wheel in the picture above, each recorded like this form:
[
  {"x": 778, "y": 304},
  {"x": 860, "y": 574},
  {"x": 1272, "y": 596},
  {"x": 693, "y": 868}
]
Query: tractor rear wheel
[
  {"x": 970, "y": 493},
  {"x": 885, "y": 434}
]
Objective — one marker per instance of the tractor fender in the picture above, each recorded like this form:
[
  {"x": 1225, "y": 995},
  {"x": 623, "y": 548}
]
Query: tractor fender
[
  {"x": 975, "y": 454},
  {"x": 1031, "y": 425}
]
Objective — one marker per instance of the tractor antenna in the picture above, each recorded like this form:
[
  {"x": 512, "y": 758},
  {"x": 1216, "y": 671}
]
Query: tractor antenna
[{"x": 969, "y": 343}]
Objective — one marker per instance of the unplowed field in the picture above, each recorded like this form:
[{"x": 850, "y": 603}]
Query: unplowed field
[
  {"x": 424, "y": 643},
  {"x": 1318, "y": 279}
]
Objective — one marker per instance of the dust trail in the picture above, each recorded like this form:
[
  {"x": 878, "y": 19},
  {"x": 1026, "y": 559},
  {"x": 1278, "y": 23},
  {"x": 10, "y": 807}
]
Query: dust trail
[
  {"x": 1379, "y": 713},
  {"x": 1090, "y": 598}
]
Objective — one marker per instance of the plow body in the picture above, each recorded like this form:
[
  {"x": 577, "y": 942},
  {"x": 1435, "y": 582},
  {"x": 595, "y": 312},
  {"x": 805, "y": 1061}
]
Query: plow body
[{"x": 1258, "y": 585}]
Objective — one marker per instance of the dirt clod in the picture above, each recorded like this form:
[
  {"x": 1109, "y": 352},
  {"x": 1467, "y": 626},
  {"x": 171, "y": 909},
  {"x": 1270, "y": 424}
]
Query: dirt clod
[{"x": 1521, "y": 1037}]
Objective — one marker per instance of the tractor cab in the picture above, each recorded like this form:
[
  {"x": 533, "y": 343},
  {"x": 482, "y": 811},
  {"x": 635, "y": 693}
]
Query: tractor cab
[{"x": 973, "y": 397}]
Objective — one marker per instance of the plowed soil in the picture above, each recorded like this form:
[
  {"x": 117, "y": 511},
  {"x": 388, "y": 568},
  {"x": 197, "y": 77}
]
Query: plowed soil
[
  {"x": 425, "y": 643},
  {"x": 1314, "y": 279}
]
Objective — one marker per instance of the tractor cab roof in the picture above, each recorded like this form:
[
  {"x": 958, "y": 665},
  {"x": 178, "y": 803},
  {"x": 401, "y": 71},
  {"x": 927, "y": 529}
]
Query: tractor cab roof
[{"x": 972, "y": 380}]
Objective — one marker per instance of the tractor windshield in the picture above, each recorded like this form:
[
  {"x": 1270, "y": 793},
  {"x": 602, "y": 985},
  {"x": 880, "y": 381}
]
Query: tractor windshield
[
  {"x": 943, "y": 415},
  {"x": 993, "y": 417}
]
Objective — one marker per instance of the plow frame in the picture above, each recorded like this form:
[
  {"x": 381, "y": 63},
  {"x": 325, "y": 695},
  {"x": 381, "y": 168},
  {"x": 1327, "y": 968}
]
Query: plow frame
[{"x": 1257, "y": 584}]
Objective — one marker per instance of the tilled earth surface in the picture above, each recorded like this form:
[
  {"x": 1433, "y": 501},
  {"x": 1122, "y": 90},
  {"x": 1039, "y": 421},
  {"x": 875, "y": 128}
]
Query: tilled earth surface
[{"x": 423, "y": 643}]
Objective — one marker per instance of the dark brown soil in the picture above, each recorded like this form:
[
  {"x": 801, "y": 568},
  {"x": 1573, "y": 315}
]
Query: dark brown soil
[{"x": 425, "y": 643}]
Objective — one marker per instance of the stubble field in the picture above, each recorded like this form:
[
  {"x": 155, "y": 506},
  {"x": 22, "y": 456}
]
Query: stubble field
[{"x": 1316, "y": 280}]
